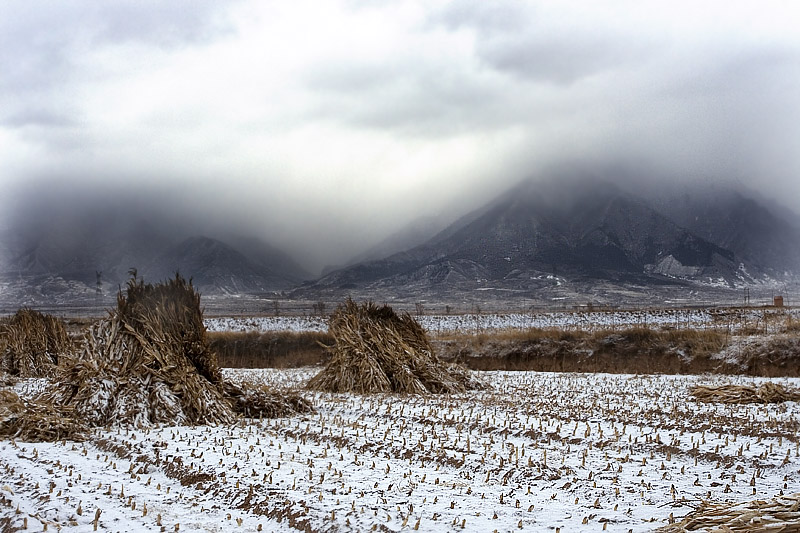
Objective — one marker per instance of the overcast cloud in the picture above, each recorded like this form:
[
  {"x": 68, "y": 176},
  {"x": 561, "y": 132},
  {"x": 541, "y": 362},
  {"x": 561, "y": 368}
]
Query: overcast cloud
[{"x": 324, "y": 126}]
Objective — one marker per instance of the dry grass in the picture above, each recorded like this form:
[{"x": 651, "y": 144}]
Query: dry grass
[
  {"x": 764, "y": 393},
  {"x": 790, "y": 325},
  {"x": 33, "y": 343},
  {"x": 377, "y": 350},
  {"x": 709, "y": 340},
  {"x": 781, "y": 514},
  {"x": 275, "y": 349},
  {"x": 632, "y": 350}
]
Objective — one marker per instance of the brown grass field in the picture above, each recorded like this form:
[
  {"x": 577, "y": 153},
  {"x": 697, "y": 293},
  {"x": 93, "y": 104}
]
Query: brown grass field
[{"x": 637, "y": 350}]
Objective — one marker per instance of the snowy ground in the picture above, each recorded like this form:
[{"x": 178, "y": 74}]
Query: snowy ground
[
  {"x": 539, "y": 451},
  {"x": 721, "y": 318}
]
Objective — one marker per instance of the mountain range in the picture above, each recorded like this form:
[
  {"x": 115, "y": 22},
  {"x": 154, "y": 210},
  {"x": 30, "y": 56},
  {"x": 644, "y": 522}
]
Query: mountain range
[
  {"x": 553, "y": 239},
  {"x": 543, "y": 236}
]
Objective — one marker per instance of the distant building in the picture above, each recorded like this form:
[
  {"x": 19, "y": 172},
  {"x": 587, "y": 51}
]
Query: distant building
[{"x": 777, "y": 301}]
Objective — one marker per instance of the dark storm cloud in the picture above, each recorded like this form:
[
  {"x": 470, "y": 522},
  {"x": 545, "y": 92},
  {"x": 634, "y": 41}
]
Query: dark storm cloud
[
  {"x": 324, "y": 126},
  {"x": 711, "y": 98}
]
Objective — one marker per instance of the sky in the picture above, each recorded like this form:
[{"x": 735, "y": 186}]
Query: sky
[{"x": 325, "y": 126}]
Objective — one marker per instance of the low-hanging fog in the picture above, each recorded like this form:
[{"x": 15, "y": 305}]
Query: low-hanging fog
[{"x": 323, "y": 127}]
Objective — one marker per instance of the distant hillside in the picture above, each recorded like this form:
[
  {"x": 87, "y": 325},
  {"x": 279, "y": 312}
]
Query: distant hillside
[
  {"x": 77, "y": 245},
  {"x": 268, "y": 256},
  {"x": 216, "y": 268},
  {"x": 57, "y": 256},
  {"x": 575, "y": 240}
]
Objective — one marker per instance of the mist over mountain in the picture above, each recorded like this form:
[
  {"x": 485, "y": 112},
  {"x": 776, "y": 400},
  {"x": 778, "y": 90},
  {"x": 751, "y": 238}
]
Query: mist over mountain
[
  {"x": 322, "y": 136},
  {"x": 543, "y": 234},
  {"x": 757, "y": 235},
  {"x": 418, "y": 231},
  {"x": 63, "y": 251},
  {"x": 217, "y": 268},
  {"x": 568, "y": 237}
]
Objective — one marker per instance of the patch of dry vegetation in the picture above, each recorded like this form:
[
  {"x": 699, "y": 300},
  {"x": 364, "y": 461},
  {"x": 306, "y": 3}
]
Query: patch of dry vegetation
[
  {"x": 377, "y": 350},
  {"x": 644, "y": 350},
  {"x": 774, "y": 355},
  {"x": 781, "y": 514},
  {"x": 37, "y": 421},
  {"x": 32, "y": 344},
  {"x": 252, "y": 400},
  {"x": 274, "y": 349},
  {"x": 632, "y": 350},
  {"x": 707, "y": 340},
  {"x": 764, "y": 393}
]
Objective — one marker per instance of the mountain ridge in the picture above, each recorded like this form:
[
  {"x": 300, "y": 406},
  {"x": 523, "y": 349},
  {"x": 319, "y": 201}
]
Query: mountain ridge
[
  {"x": 580, "y": 230},
  {"x": 544, "y": 240}
]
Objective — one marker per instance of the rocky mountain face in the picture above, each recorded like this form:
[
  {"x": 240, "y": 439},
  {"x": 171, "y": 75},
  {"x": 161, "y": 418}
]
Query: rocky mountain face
[
  {"x": 756, "y": 234},
  {"x": 539, "y": 236}
]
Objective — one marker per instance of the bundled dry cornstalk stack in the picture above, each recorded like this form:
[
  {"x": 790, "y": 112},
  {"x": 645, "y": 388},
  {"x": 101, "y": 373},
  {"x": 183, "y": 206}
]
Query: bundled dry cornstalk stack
[
  {"x": 33, "y": 343},
  {"x": 764, "y": 393},
  {"x": 10, "y": 405},
  {"x": 781, "y": 514},
  {"x": 377, "y": 350},
  {"x": 148, "y": 363}
]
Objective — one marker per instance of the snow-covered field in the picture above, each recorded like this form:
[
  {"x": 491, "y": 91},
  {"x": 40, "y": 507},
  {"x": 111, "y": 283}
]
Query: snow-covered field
[
  {"x": 539, "y": 451},
  {"x": 270, "y": 323},
  {"x": 583, "y": 320}
]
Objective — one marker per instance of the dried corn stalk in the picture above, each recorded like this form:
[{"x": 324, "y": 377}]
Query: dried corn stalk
[
  {"x": 148, "y": 363},
  {"x": 377, "y": 350},
  {"x": 764, "y": 393},
  {"x": 35, "y": 421},
  {"x": 781, "y": 514},
  {"x": 33, "y": 344},
  {"x": 258, "y": 401}
]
